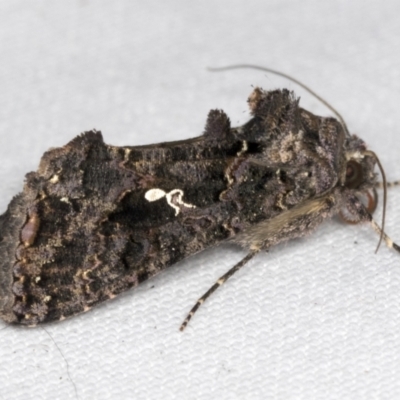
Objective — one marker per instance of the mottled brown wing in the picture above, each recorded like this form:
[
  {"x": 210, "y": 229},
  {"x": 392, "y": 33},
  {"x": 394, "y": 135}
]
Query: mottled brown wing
[{"x": 96, "y": 220}]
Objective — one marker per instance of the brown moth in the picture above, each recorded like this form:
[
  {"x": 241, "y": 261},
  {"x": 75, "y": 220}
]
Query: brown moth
[{"x": 95, "y": 220}]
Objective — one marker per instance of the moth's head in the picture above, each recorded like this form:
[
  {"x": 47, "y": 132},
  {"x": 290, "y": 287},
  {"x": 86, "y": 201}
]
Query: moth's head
[
  {"x": 359, "y": 179},
  {"x": 359, "y": 174},
  {"x": 358, "y": 171}
]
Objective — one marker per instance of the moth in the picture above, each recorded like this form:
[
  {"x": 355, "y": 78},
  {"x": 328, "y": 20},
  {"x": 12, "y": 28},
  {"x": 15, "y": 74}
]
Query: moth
[{"x": 95, "y": 220}]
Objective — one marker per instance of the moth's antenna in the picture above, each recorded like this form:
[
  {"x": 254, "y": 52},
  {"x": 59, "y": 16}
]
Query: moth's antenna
[
  {"x": 272, "y": 71},
  {"x": 384, "y": 184}
]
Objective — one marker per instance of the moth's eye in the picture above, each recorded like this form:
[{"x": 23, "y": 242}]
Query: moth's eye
[{"x": 354, "y": 174}]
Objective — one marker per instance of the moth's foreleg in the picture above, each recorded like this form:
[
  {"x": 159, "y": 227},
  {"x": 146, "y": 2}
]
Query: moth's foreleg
[
  {"x": 379, "y": 185},
  {"x": 389, "y": 242},
  {"x": 216, "y": 285},
  {"x": 361, "y": 214}
]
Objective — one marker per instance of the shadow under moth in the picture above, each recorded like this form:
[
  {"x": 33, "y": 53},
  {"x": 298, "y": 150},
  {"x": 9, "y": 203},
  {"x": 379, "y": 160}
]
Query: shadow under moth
[{"x": 95, "y": 220}]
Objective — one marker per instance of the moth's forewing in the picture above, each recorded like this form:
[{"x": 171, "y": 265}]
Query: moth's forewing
[{"x": 96, "y": 220}]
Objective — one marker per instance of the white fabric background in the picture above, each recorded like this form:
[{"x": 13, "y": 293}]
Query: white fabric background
[{"x": 316, "y": 318}]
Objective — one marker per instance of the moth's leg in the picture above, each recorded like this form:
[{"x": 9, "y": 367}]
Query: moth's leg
[
  {"x": 358, "y": 210},
  {"x": 216, "y": 285},
  {"x": 379, "y": 185},
  {"x": 389, "y": 242}
]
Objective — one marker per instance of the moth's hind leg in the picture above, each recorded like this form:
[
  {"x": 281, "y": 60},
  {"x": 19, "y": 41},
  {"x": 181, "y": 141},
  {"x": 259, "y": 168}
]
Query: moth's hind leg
[{"x": 216, "y": 285}]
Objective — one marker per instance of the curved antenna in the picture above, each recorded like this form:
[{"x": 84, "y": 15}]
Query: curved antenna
[
  {"x": 372, "y": 154},
  {"x": 290, "y": 78}
]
